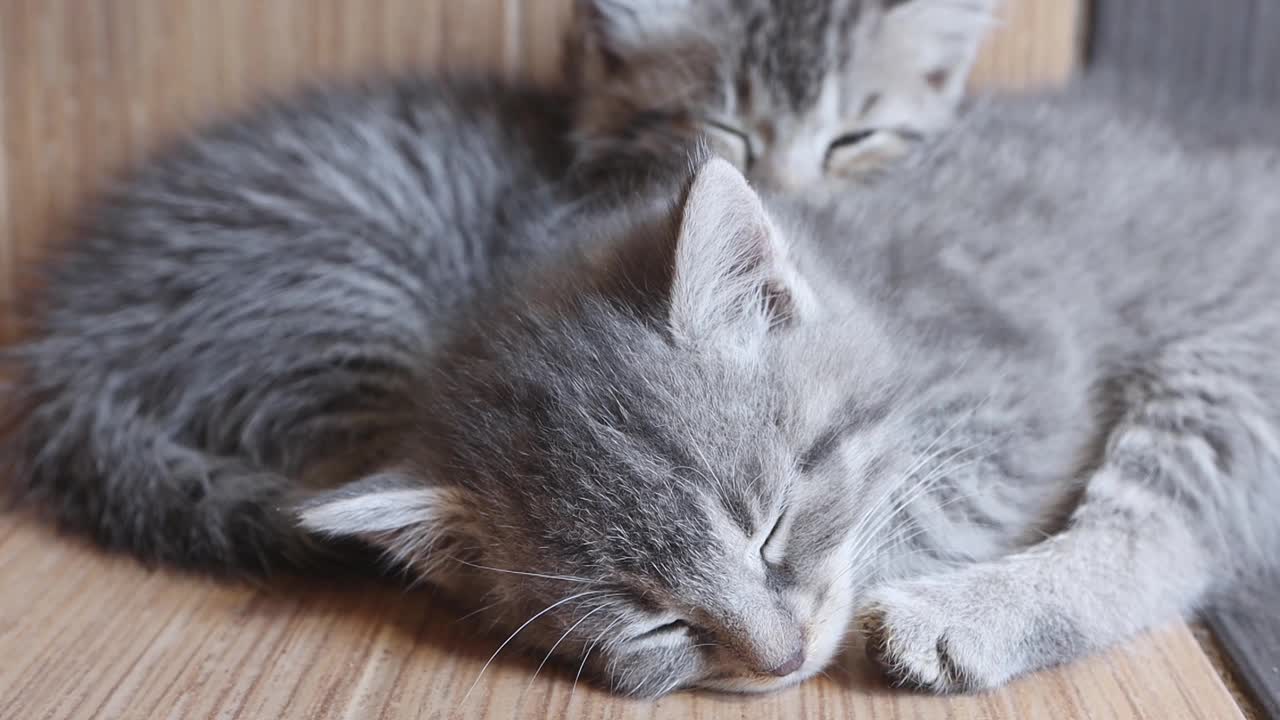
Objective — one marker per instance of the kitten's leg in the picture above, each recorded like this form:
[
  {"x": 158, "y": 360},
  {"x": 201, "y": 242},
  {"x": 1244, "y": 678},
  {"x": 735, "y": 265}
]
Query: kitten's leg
[{"x": 1175, "y": 508}]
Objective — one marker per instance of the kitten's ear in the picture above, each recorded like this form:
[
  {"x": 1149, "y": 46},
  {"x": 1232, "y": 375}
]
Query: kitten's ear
[
  {"x": 939, "y": 39},
  {"x": 620, "y": 27},
  {"x": 391, "y": 510},
  {"x": 732, "y": 275}
]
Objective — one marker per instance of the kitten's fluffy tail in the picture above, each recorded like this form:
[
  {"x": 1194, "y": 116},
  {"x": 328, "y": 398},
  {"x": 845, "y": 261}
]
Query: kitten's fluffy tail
[{"x": 99, "y": 466}]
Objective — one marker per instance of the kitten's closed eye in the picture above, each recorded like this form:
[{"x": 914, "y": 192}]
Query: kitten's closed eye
[
  {"x": 667, "y": 633},
  {"x": 852, "y": 138},
  {"x": 771, "y": 550},
  {"x": 867, "y": 151},
  {"x": 730, "y": 143}
]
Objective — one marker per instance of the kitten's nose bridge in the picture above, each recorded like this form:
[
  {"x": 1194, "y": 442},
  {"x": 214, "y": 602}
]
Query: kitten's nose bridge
[
  {"x": 782, "y": 173},
  {"x": 789, "y": 165}
]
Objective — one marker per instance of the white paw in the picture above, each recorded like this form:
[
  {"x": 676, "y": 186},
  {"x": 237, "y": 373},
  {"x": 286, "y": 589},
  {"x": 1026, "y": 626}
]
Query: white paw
[{"x": 925, "y": 636}]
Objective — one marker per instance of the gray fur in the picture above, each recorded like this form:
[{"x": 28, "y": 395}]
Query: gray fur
[
  {"x": 1097, "y": 298},
  {"x": 262, "y": 296},
  {"x": 1012, "y": 405}
]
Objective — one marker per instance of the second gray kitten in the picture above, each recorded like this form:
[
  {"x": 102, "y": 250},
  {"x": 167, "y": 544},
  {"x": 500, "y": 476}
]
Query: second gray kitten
[{"x": 818, "y": 96}]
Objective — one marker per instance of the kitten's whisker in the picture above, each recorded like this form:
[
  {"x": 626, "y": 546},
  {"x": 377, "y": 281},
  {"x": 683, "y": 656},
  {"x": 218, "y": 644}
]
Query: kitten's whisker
[
  {"x": 865, "y": 534},
  {"x": 675, "y": 683},
  {"x": 884, "y": 544},
  {"x": 863, "y": 550},
  {"x": 544, "y": 576},
  {"x": 710, "y": 468},
  {"x": 922, "y": 486},
  {"x": 572, "y": 627},
  {"x": 512, "y": 636},
  {"x": 700, "y": 473},
  {"x": 587, "y": 654},
  {"x": 477, "y": 611},
  {"x": 944, "y": 467},
  {"x": 931, "y": 451},
  {"x": 948, "y": 466}
]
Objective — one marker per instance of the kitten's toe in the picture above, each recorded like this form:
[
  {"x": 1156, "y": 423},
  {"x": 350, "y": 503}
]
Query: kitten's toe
[
  {"x": 903, "y": 645},
  {"x": 917, "y": 644}
]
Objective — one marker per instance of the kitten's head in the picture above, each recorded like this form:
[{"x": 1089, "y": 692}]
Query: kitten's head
[
  {"x": 797, "y": 93},
  {"x": 642, "y": 471}
]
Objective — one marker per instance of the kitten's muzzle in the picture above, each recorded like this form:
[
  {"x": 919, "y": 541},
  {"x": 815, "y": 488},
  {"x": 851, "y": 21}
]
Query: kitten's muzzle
[
  {"x": 790, "y": 665},
  {"x": 771, "y": 643}
]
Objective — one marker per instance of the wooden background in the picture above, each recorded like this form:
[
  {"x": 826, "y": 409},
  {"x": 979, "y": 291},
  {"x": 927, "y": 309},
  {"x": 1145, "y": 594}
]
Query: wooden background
[
  {"x": 85, "y": 636},
  {"x": 89, "y": 85}
]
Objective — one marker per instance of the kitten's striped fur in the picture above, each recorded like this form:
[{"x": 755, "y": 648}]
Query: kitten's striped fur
[
  {"x": 812, "y": 95},
  {"x": 1009, "y": 406}
]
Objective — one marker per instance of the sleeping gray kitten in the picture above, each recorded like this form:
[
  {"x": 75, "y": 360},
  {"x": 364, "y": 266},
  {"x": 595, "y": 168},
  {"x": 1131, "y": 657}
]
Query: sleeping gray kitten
[
  {"x": 808, "y": 94},
  {"x": 1014, "y": 405},
  {"x": 1008, "y": 409}
]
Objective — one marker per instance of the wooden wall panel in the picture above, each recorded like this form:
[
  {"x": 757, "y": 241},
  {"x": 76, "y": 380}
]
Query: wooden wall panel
[
  {"x": 1034, "y": 43},
  {"x": 90, "y": 85}
]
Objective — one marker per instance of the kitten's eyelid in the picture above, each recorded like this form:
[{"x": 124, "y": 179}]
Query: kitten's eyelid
[
  {"x": 854, "y": 137},
  {"x": 670, "y": 629},
  {"x": 851, "y": 140},
  {"x": 727, "y": 131},
  {"x": 727, "y": 127},
  {"x": 770, "y": 549}
]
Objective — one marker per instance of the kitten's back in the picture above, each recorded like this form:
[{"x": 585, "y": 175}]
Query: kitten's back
[
  {"x": 1081, "y": 199},
  {"x": 265, "y": 296}
]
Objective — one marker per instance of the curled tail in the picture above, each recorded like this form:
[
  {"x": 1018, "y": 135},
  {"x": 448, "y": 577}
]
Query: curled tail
[{"x": 99, "y": 466}]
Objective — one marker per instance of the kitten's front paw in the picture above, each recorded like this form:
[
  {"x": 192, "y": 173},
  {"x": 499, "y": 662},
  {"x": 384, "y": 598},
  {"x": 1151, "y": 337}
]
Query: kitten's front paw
[{"x": 923, "y": 641}]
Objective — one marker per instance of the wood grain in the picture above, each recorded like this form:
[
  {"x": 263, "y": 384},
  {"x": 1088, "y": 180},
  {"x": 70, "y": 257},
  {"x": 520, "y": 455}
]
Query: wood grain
[
  {"x": 83, "y": 635},
  {"x": 1035, "y": 43},
  {"x": 89, "y": 86}
]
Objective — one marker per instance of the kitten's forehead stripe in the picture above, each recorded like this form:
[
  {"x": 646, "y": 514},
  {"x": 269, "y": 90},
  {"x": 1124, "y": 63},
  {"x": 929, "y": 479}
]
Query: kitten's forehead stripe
[
  {"x": 852, "y": 418},
  {"x": 739, "y": 511},
  {"x": 821, "y": 449},
  {"x": 795, "y": 44},
  {"x": 655, "y": 435}
]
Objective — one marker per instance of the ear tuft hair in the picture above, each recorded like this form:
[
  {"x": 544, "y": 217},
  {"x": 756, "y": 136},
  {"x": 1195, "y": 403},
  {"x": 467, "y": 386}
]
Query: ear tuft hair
[
  {"x": 391, "y": 511},
  {"x": 732, "y": 274}
]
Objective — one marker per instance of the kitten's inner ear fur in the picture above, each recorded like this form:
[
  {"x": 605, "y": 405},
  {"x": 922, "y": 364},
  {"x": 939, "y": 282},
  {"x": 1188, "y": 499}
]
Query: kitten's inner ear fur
[
  {"x": 938, "y": 39},
  {"x": 732, "y": 275},
  {"x": 390, "y": 510}
]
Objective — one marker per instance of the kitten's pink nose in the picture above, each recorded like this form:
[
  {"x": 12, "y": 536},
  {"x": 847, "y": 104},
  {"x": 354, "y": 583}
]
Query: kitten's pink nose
[{"x": 789, "y": 665}]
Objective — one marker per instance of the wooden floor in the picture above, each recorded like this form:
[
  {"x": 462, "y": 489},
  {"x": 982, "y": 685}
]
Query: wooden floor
[{"x": 83, "y": 635}]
